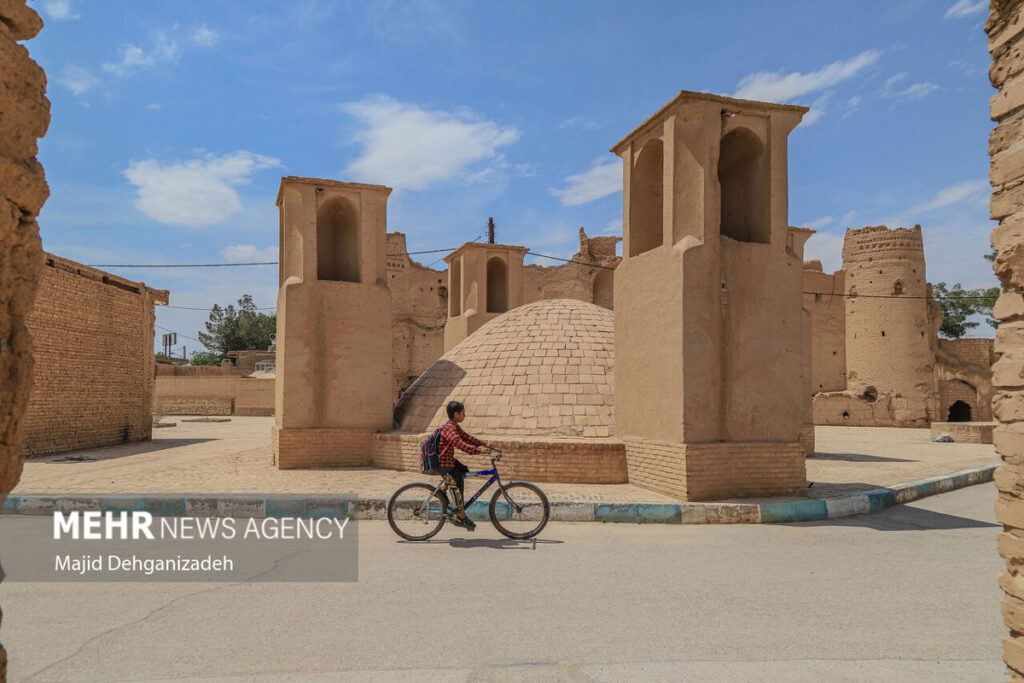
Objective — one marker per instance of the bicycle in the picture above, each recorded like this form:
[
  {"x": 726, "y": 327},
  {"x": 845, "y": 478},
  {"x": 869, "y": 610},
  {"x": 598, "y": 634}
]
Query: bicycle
[{"x": 518, "y": 509}]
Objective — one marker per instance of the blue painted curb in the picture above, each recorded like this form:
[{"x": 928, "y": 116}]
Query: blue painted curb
[{"x": 342, "y": 505}]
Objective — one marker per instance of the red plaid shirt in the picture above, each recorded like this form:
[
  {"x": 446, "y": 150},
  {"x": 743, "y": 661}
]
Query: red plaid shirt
[{"x": 453, "y": 437}]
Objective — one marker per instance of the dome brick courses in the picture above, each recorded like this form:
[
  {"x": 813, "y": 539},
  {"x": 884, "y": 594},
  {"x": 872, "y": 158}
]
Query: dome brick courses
[{"x": 542, "y": 369}]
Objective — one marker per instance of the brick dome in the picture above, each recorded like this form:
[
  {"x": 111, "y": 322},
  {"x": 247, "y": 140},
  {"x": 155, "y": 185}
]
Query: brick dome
[{"x": 543, "y": 369}]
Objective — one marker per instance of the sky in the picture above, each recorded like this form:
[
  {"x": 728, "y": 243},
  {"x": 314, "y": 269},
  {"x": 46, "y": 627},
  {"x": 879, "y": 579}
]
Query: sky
[{"x": 173, "y": 123}]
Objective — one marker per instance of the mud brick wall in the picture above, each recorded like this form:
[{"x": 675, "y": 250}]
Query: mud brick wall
[
  {"x": 1005, "y": 28},
  {"x": 978, "y": 351},
  {"x": 24, "y": 117},
  {"x": 709, "y": 471},
  {"x": 596, "y": 462},
  {"x": 321, "y": 447},
  {"x": 93, "y": 381},
  {"x": 254, "y": 397}
]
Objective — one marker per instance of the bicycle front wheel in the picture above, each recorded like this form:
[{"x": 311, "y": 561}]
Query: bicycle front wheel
[
  {"x": 416, "y": 512},
  {"x": 519, "y": 509}
]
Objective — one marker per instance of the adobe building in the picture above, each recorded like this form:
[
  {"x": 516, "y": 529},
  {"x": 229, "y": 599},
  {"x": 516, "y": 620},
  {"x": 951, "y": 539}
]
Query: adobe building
[
  {"x": 334, "y": 383},
  {"x": 484, "y": 281},
  {"x": 709, "y": 391},
  {"x": 876, "y": 356},
  {"x": 93, "y": 381}
]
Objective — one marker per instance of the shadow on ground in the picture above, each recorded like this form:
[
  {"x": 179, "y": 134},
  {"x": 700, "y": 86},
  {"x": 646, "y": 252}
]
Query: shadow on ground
[
  {"x": 496, "y": 543},
  {"x": 859, "y": 457},
  {"x": 903, "y": 518},
  {"x": 119, "y": 451}
]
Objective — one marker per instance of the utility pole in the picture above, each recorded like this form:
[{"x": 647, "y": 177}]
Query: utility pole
[{"x": 490, "y": 230}]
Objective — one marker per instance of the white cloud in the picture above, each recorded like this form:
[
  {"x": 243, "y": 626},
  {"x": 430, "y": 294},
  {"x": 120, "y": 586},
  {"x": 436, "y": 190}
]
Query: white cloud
[
  {"x": 408, "y": 147},
  {"x": 952, "y": 195},
  {"x": 153, "y": 106},
  {"x": 826, "y": 247},
  {"x": 818, "y": 223},
  {"x": 603, "y": 178},
  {"x": 847, "y": 220},
  {"x": 133, "y": 58},
  {"x": 60, "y": 10},
  {"x": 205, "y": 36},
  {"x": 915, "y": 91},
  {"x": 77, "y": 79},
  {"x": 195, "y": 193},
  {"x": 965, "y": 8},
  {"x": 614, "y": 227},
  {"x": 778, "y": 86},
  {"x": 817, "y": 110},
  {"x": 248, "y": 253},
  {"x": 579, "y": 122}
]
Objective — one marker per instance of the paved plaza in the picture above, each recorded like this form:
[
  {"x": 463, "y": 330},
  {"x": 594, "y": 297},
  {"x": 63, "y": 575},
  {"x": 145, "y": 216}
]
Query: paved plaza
[{"x": 230, "y": 457}]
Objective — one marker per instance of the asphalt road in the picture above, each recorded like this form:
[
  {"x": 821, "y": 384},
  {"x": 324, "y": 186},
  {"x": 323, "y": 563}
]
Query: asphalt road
[{"x": 907, "y": 594}]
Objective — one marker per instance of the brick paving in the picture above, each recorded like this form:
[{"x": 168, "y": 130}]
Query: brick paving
[{"x": 234, "y": 457}]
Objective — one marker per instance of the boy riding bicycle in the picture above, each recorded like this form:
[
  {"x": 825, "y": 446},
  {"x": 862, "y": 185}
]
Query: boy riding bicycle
[{"x": 451, "y": 470}]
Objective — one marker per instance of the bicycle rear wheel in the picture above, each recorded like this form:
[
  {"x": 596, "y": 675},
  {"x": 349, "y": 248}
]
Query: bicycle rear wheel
[
  {"x": 416, "y": 512},
  {"x": 521, "y": 511}
]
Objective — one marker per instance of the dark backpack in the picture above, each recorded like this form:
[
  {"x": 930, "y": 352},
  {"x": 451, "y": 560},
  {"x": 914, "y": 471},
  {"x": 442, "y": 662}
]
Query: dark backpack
[{"x": 430, "y": 453}]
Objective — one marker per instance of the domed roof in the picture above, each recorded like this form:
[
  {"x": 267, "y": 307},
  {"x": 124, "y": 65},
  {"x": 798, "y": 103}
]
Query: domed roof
[{"x": 543, "y": 369}]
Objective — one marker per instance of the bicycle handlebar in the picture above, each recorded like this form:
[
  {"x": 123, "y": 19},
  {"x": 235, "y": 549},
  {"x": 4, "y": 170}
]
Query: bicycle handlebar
[{"x": 494, "y": 451}]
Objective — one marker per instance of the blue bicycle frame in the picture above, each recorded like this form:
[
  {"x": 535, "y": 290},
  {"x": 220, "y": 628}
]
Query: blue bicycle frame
[{"x": 495, "y": 477}]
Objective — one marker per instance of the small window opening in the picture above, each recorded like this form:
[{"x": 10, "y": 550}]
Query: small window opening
[{"x": 870, "y": 395}]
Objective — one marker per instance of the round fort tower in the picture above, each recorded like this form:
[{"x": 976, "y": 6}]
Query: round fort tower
[{"x": 889, "y": 354}]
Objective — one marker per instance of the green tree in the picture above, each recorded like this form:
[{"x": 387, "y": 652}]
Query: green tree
[
  {"x": 958, "y": 304},
  {"x": 237, "y": 329},
  {"x": 204, "y": 358}
]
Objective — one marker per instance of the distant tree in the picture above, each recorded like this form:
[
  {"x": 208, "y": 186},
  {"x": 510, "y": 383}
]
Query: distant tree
[
  {"x": 204, "y": 358},
  {"x": 237, "y": 329},
  {"x": 958, "y": 304}
]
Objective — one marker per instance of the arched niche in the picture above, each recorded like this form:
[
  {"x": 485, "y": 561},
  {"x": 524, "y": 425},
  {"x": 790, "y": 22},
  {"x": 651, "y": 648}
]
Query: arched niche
[
  {"x": 646, "y": 199},
  {"x": 743, "y": 178},
  {"x": 337, "y": 241},
  {"x": 604, "y": 288},
  {"x": 688, "y": 190},
  {"x": 497, "y": 285},
  {"x": 455, "y": 287}
]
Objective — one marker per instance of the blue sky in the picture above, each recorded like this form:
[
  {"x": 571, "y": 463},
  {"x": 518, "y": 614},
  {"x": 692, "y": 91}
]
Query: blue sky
[{"x": 173, "y": 122}]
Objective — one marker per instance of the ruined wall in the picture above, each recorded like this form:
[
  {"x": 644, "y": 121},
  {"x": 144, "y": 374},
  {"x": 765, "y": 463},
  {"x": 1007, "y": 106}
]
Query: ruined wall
[
  {"x": 1005, "y": 28},
  {"x": 571, "y": 281},
  {"x": 964, "y": 371},
  {"x": 419, "y": 309},
  {"x": 823, "y": 299},
  {"x": 24, "y": 117},
  {"x": 93, "y": 384}
]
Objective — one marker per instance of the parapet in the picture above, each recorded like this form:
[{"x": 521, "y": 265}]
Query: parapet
[{"x": 879, "y": 242}]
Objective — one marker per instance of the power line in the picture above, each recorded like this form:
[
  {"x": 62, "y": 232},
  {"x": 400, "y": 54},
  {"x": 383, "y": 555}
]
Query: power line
[
  {"x": 178, "y": 265},
  {"x": 229, "y": 265},
  {"x": 178, "y": 333},
  {"x": 905, "y": 296},
  {"x": 209, "y": 308},
  {"x": 569, "y": 260}
]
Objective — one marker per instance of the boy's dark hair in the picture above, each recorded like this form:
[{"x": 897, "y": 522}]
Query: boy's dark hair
[{"x": 455, "y": 407}]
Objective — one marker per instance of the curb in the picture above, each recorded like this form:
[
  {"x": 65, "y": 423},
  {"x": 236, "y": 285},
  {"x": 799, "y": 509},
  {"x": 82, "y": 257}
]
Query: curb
[{"x": 343, "y": 505}]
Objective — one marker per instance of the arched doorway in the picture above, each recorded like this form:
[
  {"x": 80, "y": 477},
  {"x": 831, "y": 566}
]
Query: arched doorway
[{"x": 960, "y": 411}]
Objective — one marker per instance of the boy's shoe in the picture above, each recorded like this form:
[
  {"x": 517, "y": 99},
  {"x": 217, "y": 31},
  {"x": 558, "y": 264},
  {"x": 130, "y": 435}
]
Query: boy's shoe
[{"x": 467, "y": 524}]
